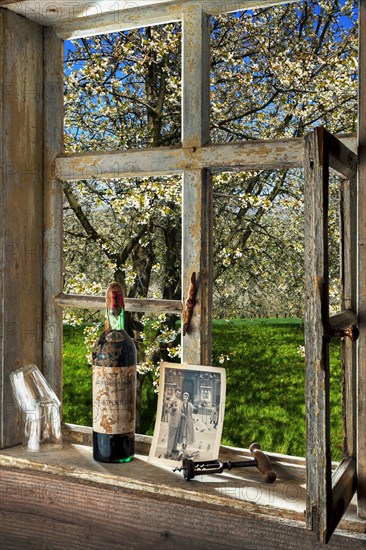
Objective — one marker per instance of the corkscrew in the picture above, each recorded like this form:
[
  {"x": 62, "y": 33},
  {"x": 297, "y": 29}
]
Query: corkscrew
[{"x": 192, "y": 469}]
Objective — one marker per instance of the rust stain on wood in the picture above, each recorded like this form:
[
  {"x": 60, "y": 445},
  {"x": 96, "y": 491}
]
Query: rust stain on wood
[{"x": 189, "y": 304}]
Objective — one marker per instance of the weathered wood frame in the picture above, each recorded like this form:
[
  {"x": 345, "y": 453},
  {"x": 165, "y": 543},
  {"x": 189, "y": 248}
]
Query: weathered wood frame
[
  {"x": 361, "y": 267},
  {"x": 328, "y": 496},
  {"x": 52, "y": 210},
  {"x": 196, "y": 159},
  {"x": 121, "y": 15},
  {"x": 21, "y": 188}
]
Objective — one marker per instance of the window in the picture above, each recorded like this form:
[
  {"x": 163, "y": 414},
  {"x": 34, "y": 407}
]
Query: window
[{"x": 195, "y": 161}]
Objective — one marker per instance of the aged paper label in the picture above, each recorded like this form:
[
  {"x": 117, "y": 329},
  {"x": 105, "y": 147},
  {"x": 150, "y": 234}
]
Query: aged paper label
[{"x": 114, "y": 390}]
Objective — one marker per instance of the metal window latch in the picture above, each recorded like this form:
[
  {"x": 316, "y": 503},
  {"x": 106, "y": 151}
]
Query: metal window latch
[
  {"x": 192, "y": 469},
  {"x": 343, "y": 324},
  {"x": 351, "y": 332}
]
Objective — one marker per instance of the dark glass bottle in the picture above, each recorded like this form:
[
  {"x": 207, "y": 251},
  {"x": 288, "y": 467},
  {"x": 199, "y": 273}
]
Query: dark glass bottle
[{"x": 114, "y": 385}]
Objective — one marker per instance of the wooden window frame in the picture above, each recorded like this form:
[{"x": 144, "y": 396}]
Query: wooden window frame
[
  {"x": 329, "y": 494},
  {"x": 198, "y": 158}
]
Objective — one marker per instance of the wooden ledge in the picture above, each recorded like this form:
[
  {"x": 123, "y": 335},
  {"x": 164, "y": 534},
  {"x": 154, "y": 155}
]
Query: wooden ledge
[
  {"x": 240, "y": 492},
  {"x": 244, "y": 492},
  {"x": 70, "y": 501}
]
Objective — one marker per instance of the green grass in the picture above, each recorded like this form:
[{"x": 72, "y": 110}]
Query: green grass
[
  {"x": 77, "y": 377},
  {"x": 265, "y": 399},
  {"x": 265, "y": 384}
]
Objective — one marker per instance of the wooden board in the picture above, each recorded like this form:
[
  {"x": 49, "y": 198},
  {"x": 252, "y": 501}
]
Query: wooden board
[
  {"x": 195, "y": 77},
  {"x": 361, "y": 404},
  {"x": 52, "y": 211},
  {"x": 348, "y": 268},
  {"x": 140, "y": 15},
  {"x": 327, "y": 502},
  {"x": 197, "y": 185},
  {"x": 131, "y": 304},
  {"x": 83, "y": 18},
  {"x": 21, "y": 122},
  {"x": 73, "y": 502},
  {"x": 316, "y": 324},
  {"x": 2, "y": 230},
  {"x": 247, "y": 155}
]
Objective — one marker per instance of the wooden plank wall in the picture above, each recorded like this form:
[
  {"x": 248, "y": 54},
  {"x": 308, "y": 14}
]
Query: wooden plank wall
[
  {"x": 39, "y": 511},
  {"x": 21, "y": 121}
]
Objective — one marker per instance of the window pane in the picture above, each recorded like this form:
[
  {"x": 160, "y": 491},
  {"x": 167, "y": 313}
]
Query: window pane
[
  {"x": 258, "y": 333},
  {"x": 122, "y": 90},
  {"x": 279, "y": 71},
  {"x": 126, "y": 229}
]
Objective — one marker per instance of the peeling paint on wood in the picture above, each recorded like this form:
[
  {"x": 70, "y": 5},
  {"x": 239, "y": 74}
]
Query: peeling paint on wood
[
  {"x": 316, "y": 339},
  {"x": 248, "y": 155},
  {"x": 63, "y": 512},
  {"x": 197, "y": 184},
  {"x": 326, "y": 503},
  {"x": 195, "y": 77},
  {"x": 241, "y": 495},
  {"x": 197, "y": 189},
  {"x": 21, "y": 93},
  {"x": 142, "y": 15},
  {"x": 131, "y": 304},
  {"x": 52, "y": 211},
  {"x": 76, "y": 19}
]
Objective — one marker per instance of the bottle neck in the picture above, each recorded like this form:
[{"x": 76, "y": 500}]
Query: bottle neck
[{"x": 116, "y": 322}]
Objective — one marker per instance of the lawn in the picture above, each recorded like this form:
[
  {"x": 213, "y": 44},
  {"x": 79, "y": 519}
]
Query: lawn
[
  {"x": 265, "y": 384},
  {"x": 77, "y": 377}
]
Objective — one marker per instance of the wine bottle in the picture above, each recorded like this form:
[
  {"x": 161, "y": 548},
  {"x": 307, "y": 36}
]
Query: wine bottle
[{"x": 114, "y": 385}]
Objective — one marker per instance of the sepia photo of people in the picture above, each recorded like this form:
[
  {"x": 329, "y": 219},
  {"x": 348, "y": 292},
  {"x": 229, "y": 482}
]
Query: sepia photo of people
[{"x": 190, "y": 413}]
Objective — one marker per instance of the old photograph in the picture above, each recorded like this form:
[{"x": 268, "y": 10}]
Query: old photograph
[{"x": 190, "y": 413}]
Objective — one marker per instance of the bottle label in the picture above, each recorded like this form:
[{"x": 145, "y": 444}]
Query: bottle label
[{"x": 114, "y": 390}]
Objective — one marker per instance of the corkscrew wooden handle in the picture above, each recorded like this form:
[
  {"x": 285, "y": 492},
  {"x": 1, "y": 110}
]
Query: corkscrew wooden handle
[{"x": 263, "y": 463}]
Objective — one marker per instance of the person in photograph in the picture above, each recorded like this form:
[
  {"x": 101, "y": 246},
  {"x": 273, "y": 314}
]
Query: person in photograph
[
  {"x": 174, "y": 415},
  {"x": 165, "y": 415},
  {"x": 215, "y": 416},
  {"x": 185, "y": 434}
]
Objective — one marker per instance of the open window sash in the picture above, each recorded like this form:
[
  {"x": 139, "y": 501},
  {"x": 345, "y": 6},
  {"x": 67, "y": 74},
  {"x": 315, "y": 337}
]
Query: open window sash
[{"x": 329, "y": 492}]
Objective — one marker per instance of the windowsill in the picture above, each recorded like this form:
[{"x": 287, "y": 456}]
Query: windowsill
[{"x": 241, "y": 491}]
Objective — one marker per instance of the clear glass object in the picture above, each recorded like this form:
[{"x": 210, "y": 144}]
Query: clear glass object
[{"x": 40, "y": 408}]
